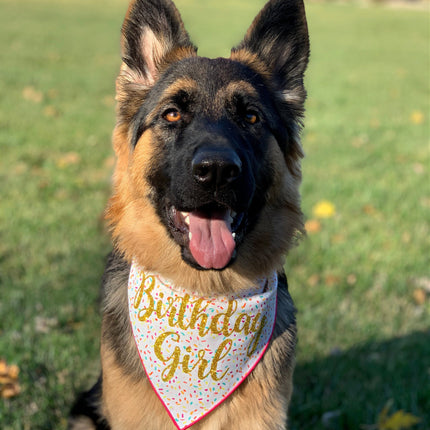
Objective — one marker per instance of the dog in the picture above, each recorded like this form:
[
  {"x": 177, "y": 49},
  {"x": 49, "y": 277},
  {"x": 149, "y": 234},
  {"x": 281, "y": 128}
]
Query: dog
[{"x": 205, "y": 206}]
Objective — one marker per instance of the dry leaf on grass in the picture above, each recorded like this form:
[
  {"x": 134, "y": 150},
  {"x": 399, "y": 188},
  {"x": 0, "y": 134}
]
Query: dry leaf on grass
[
  {"x": 312, "y": 226},
  {"x": 420, "y": 296},
  {"x": 68, "y": 159},
  {"x": 9, "y": 386},
  {"x": 417, "y": 117},
  {"x": 332, "y": 280},
  {"x": 31, "y": 94},
  {"x": 313, "y": 280},
  {"x": 399, "y": 420},
  {"x": 51, "y": 111},
  {"x": 421, "y": 289}
]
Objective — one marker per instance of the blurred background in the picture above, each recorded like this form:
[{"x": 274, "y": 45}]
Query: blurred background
[{"x": 361, "y": 276}]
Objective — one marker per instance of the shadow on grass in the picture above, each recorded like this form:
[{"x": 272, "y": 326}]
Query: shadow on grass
[{"x": 347, "y": 390}]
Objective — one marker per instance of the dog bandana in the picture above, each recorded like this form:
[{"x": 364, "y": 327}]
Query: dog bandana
[{"x": 195, "y": 350}]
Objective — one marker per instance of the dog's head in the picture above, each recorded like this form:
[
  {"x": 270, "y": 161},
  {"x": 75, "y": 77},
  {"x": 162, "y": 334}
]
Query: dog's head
[{"x": 208, "y": 149}]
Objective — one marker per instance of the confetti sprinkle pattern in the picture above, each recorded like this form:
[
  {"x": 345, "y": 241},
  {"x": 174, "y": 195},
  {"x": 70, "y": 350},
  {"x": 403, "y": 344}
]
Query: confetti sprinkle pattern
[{"x": 197, "y": 350}]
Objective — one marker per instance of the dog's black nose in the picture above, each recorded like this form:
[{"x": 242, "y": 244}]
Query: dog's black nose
[{"x": 216, "y": 167}]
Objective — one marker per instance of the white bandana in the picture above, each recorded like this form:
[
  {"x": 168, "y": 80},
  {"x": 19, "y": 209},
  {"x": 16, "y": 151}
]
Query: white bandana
[{"x": 196, "y": 351}]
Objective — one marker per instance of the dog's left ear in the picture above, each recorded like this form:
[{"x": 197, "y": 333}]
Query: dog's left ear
[
  {"x": 278, "y": 41},
  {"x": 153, "y": 36}
]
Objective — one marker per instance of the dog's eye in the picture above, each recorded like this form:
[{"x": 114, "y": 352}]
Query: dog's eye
[
  {"x": 251, "y": 117},
  {"x": 172, "y": 115}
]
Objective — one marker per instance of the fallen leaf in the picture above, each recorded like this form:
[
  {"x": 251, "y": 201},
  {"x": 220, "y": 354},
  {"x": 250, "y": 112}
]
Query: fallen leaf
[
  {"x": 331, "y": 280},
  {"x": 312, "y": 226},
  {"x": 31, "y": 94},
  {"x": 397, "y": 421},
  {"x": 13, "y": 371},
  {"x": 68, "y": 159},
  {"x": 423, "y": 283},
  {"x": 419, "y": 168},
  {"x": 324, "y": 209},
  {"x": 20, "y": 168},
  {"x": 51, "y": 112},
  {"x": 400, "y": 420},
  {"x": 416, "y": 117},
  {"x": 313, "y": 280},
  {"x": 10, "y": 390},
  {"x": 9, "y": 386},
  {"x": 351, "y": 279},
  {"x": 419, "y": 296},
  {"x": 369, "y": 210},
  {"x": 406, "y": 237}
]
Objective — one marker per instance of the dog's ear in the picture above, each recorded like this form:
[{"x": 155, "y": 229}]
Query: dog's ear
[
  {"x": 153, "y": 35},
  {"x": 278, "y": 41}
]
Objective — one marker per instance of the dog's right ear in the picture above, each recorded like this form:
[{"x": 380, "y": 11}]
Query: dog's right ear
[
  {"x": 278, "y": 38},
  {"x": 153, "y": 35}
]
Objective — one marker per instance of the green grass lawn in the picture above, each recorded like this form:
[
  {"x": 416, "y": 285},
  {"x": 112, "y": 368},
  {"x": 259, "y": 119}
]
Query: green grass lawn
[{"x": 357, "y": 281}]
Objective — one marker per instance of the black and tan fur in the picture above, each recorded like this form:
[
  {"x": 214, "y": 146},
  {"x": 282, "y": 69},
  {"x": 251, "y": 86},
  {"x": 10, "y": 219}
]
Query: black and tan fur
[{"x": 246, "y": 113}]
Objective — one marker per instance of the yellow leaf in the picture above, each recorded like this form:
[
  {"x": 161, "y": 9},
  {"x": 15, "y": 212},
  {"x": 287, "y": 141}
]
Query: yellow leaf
[
  {"x": 417, "y": 117},
  {"x": 324, "y": 209},
  {"x": 399, "y": 420}
]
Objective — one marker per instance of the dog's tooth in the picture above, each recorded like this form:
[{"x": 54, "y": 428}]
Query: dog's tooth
[
  {"x": 186, "y": 218},
  {"x": 234, "y": 235},
  {"x": 190, "y": 235}
]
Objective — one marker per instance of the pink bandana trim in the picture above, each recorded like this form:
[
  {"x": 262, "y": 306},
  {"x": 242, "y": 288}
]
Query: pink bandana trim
[{"x": 195, "y": 350}]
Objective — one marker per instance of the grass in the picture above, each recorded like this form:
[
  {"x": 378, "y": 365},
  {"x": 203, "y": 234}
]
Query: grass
[{"x": 364, "y": 339}]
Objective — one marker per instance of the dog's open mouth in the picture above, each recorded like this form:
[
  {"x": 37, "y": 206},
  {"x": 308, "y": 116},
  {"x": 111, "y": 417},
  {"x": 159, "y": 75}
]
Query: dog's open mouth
[{"x": 210, "y": 233}]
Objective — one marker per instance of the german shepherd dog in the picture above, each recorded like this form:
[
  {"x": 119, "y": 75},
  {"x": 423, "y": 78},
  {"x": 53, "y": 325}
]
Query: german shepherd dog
[{"x": 206, "y": 195}]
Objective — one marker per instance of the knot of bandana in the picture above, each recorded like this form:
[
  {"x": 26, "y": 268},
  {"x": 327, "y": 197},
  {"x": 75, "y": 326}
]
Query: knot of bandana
[{"x": 195, "y": 350}]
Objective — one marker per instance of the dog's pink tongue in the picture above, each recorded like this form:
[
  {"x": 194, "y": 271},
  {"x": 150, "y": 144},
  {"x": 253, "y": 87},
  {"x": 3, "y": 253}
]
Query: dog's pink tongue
[{"x": 212, "y": 243}]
